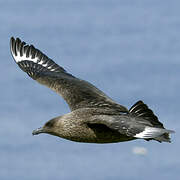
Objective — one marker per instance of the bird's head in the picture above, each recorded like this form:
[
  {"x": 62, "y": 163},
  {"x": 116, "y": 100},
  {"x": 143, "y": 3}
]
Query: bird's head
[
  {"x": 63, "y": 126},
  {"x": 53, "y": 127}
]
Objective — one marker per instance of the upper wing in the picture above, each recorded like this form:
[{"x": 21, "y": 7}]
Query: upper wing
[{"x": 76, "y": 92}]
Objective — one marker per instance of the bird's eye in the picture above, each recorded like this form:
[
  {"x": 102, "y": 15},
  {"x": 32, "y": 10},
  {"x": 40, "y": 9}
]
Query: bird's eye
[{"x": 50, "y": 123}]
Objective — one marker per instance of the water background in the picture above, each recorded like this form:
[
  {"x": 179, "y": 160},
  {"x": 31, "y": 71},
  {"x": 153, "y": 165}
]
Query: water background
[{"x": 129, "y": 49}]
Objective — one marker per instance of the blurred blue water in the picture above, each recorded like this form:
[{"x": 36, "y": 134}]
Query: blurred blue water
[{"x": 128, "y": 49}]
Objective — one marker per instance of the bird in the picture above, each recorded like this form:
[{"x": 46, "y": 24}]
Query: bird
[{"x": 94, "y": 116}]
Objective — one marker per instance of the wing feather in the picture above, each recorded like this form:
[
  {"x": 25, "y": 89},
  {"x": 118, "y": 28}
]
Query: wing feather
[
  {"x": 76, "y": 92},
  {"x": 135, "y": 127}
]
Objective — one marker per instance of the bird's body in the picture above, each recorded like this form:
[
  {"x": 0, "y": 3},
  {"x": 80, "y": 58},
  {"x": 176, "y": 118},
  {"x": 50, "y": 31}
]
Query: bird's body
[
  {"x": 81, "y": 125},
  {"x": 94, "y": 117}
]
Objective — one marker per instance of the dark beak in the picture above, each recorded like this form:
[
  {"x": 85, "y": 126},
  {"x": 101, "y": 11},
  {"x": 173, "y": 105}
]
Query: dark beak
[{"x": 38, "y": 131}]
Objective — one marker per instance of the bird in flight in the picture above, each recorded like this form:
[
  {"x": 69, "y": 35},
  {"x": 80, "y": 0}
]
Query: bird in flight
[{"x": 94, "y": 117}]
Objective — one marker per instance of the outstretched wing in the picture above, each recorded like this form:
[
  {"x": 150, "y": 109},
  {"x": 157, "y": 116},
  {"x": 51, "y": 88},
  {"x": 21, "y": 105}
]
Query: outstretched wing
[{"x": 76, "y": 92}]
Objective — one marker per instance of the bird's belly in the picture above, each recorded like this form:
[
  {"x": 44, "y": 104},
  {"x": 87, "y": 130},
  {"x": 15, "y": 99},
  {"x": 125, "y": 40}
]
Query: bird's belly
[
  {"x": 97, "y": 135},
  {"x": 100, "y": 138}
]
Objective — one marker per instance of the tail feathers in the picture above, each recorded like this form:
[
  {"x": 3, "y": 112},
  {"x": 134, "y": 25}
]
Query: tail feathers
[
  {"x": 158, "y": 134},
  {"x": 139, "y": 109},
  {"x": 163, "y": 138}
]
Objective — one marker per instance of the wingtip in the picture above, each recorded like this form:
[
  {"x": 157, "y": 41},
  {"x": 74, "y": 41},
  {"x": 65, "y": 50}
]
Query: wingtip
[
  {"x": 12, "y": 45},
  {"x": 15, "y": 47},
  {"x": 11, "y": 41},
  {"x": 12, "y": 38}
]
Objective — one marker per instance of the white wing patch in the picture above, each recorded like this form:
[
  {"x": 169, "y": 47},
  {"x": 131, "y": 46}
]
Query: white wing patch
[
  {"x": 19, "y": 58},
  {"x": 151, "y": 132},
  {"x": 22, "y": 56}
]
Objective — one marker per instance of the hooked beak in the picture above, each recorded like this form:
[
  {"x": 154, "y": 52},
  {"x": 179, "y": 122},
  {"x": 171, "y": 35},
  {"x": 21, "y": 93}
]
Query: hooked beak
[{"x": 38, "y": 131}]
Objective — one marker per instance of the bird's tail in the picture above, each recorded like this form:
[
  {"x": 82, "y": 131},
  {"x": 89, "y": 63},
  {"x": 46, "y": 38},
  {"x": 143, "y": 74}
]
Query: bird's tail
[
  {"x": 157, "y": 131},
  {"x": 164, "y": 137}
]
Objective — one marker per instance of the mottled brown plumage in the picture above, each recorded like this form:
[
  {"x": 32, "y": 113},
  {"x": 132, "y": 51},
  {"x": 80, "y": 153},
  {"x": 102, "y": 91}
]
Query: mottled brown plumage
[
  {"x": 94, "y": 117},
  {"x": 82, "y": 125}
]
